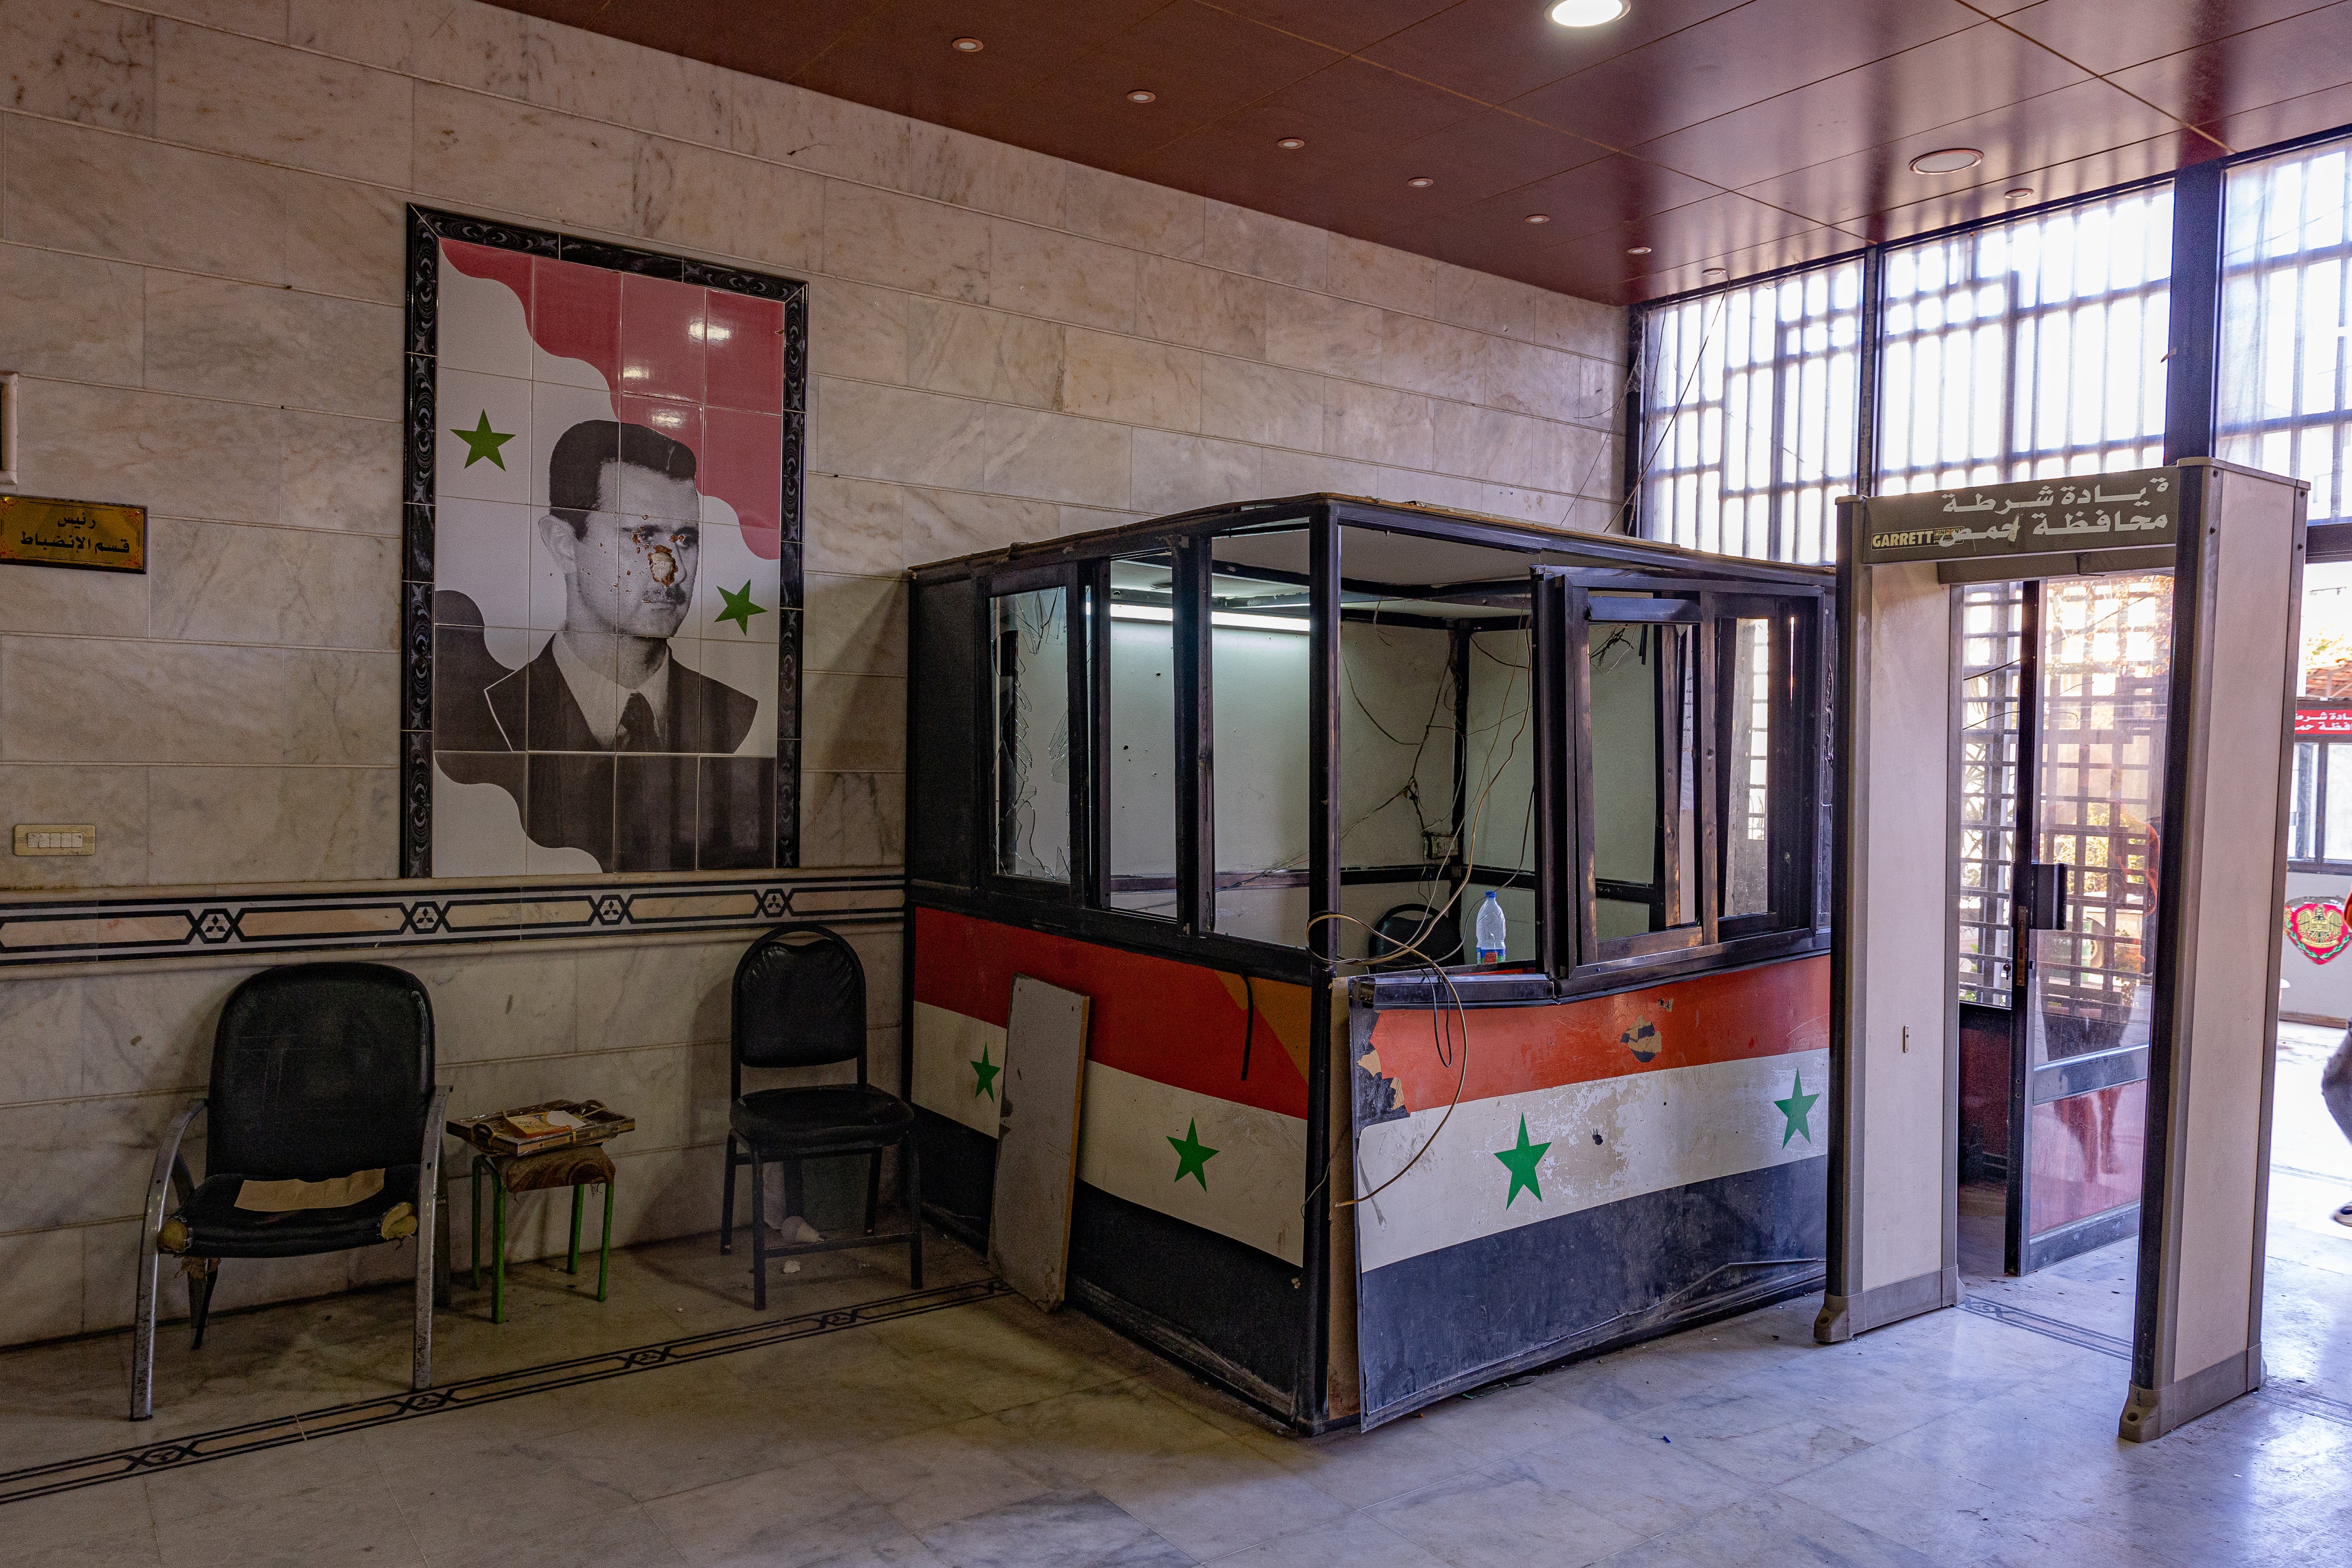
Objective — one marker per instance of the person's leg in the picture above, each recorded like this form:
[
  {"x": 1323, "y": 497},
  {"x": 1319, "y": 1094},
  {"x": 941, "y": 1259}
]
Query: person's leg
[{"x": 2335, "y": 1090}]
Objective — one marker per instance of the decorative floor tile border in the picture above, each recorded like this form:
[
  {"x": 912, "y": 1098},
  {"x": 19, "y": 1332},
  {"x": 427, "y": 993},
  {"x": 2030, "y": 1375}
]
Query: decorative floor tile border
[
  {"x": 122, "y": 1464},
  {"x": 113, "y": 927}
]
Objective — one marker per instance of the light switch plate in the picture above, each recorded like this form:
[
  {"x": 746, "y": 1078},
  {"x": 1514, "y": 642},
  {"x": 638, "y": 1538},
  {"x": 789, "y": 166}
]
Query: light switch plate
[{"x": 57, "y": 838}]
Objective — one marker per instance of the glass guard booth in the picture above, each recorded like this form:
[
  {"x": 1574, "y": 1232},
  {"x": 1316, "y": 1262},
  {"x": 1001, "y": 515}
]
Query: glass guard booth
[{"x": 1256, "y": 779}]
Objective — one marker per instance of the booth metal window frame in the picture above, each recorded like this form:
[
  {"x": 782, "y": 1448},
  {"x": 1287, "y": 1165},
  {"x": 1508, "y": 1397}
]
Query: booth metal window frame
[{"x": 958, "y": 867}]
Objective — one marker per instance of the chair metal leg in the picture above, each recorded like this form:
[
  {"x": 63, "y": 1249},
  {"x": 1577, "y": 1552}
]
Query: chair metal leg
[
  {"x": 758, "y": 1235},
  {"x": 478, "y": 1221},
  {"x": 143, "y": 1329},
  {"x": 428, "y": 1238},
  {"x": 873, "y": 1188},
  {"x": 605, "y": 1257},
  {"x": 914, "y": 1215},
  {"x": 498, "y": 1251},
  {"x": 571, "y": 1259},
  {"x": 200, "y": 1301},
  {"x": 727, "y": 1200}
]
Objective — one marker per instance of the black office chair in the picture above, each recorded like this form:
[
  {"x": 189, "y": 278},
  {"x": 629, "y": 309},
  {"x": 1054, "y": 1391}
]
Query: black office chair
[
  {"x": 800, "y": 1002},
  {"x": 320, "y": 1071},
  {"x": 1417, "y": 926}
]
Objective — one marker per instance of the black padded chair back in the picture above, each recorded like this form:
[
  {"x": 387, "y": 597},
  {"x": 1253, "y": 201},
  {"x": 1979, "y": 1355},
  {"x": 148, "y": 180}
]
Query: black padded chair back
[
  {"x": 318, "y": 1070},
  {"x": 1442, "y": 941},
  {"x": 800, "y": 1002}
]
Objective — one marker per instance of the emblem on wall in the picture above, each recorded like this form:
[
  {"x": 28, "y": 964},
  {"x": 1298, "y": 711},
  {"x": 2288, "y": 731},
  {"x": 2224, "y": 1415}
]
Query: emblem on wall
[
  {"x": 2318, "y": 928},
  {"x": 604, "y": 564}
]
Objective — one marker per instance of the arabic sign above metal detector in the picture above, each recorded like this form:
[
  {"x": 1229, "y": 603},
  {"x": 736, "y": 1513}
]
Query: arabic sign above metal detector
[{"x": 2033, "y": 517}]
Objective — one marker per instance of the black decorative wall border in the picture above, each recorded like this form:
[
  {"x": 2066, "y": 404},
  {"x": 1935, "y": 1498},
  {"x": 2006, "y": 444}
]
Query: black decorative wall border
[
  {"x": 111, "y": 929},
  {"x": 426, "y": 228}
]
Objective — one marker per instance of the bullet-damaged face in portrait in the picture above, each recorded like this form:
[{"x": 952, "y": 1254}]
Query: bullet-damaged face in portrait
[{"x": 623, "y": 523}]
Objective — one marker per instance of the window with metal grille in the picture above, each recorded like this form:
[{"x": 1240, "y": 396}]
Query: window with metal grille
[
  {"x": 2027, "y": 350},
  {"x": 1749, "y": 400},
  {"x": 2286, "y": 310},
  {"x": 1992, "y": 636}
]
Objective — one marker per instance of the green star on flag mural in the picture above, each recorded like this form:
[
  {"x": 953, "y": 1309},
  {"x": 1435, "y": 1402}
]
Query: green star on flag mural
[
  {"x": 1799, "y": 1109},
  {"x": 740, "y": 608},
  {"x": 1192, "y": 1156},
  {"x": 1521, "y": 1163},
  {"x": 482, "y": 441},
  {"x": 986, "y": 1075}
]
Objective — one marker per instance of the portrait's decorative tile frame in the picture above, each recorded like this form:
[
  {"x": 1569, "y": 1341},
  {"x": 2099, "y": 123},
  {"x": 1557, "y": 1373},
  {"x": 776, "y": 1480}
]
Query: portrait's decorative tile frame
[{"x": 426, "y": 228}]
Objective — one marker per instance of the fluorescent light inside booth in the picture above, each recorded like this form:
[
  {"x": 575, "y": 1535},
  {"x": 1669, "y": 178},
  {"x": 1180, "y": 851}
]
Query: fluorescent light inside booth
[{"x": 1216, "y": 618}]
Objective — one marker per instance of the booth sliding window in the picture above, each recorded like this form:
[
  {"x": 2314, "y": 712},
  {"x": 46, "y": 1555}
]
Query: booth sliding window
[{"x": 1037, "y": 701}]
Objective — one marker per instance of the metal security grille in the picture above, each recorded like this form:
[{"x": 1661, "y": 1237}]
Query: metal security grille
[
  {"x": 2287, "y": 311},
  {"x": 1991, "y": 632},
  {"x": 2027, "y": 350},
  {"x": 1750, "y": 399}
]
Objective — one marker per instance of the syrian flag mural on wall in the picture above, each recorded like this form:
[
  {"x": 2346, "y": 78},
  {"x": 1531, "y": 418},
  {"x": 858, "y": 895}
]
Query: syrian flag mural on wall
[
  {"x": 1598, "y": 1160},
  {"x": 1196, "y": 1080}
]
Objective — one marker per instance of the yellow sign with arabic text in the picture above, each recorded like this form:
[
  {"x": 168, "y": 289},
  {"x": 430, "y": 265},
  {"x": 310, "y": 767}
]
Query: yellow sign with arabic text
[{"x": 98, "y": 536}]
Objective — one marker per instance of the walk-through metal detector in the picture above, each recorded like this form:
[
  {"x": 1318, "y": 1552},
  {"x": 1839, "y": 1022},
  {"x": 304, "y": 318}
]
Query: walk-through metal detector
[{"x": 2233, "y": 539}]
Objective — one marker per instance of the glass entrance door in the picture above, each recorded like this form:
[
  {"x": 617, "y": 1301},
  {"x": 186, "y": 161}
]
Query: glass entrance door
[{"x": 2085, "y": 913}]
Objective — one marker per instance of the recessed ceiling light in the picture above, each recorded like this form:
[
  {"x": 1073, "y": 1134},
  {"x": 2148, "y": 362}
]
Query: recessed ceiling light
[
  {"x": 1587, "y": 13},
  {"x": 1420, "y": 181},
  {"x": 2018, "y": 192},
  {"x": 1637, "y": 250},
  {"x": 1142, "y": 95},
  {"x": 968, "y": 46},
  {"x": 1539, "y": 217},
  {"x": 1291, "y": 143},
  {"x": 1947, "y": 161}
]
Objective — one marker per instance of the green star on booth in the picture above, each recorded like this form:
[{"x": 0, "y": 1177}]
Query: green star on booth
[
  {"x": 740, "y": 608},
  {"x": 986, "y": 1074},
  {"x": 1799, "y": 1109},
  {"x": 1521, "y": 1163},
  {"x": 482, "y": 441},
  {"x": 1192, "y": 1156}
]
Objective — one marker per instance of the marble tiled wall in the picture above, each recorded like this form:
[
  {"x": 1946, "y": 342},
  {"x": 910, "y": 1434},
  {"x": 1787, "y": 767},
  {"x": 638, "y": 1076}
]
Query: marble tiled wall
[{"x": 200, "y": 280}]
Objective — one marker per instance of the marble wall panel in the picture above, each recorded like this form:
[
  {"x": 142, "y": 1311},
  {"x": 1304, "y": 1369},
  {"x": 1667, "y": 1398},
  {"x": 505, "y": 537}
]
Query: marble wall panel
[
  {"x": 455, "y": 41},
  {"x": 1420, "y": 489},
  {"x": 1261, "y": 403},
  {"x": 1109, "y": 375},
  {"x": 41, "y": 1026},
  {"x": 647, "y": 1084},
  {"x": 339, "y": 473},
  {"x": 70, "y": 60},
  {"x": 346, "y": 238},
  {"x": 1581, "y": 326},
  {"x": 853, "y": 723},
  {"x": 1525, "y": 505},
  {"x": 75, "y": 1161},
  {"x": 655, "y": 993},
  {"x": 1512, "y": 448},
  {"x": 288, "y": 106},
  {"x": 1379, "y": 275},
  {"x": 1527, "y": 378},
  {"x": 789, "y": 124},
  {"x": 942, "y": 524},
  {"x": 856, "y": 527},
  {"x": 1264, "y": 246},
  {"x": 1041, "y": 272},
  {"x": 1315, "y": 331},
  {"x": 1053, "y": 457},
  {"x": 854, "y": 819},
  {"x": 264, "y": 19},
  {"x": 339, "y": 707},
  {"x": 1147, "y": 217},
  {"x": 151, "y": 1032},
  {"x": 976, "y": 353},
  {"x": 67, "y": 602},
  {"x": 69, "y": 316},
  {"x": 74, "y": 189},
  {"x": 232, "y": 583},
  {"x": 89, "y": 699},
  {"x": 275, "y": 346},
  {"x": 886, "y": 433},
  {"x": 876, "y": 237},
  {"x": 696, "y": 198},
  {"x": 271, "y": 825},
  {"x": 1286, "y": 473},
  {"x": 1432, "y": 357},
  {"x": 114, "y": 800},
  {"x": 1486, "y": 303},
  {"x": 858, "y": 331},
  {"x": 490, "y": 1004},
  {"x": 855, "y": 623},
  {"x": 1377, "y": 424},
  {"x": 588, "y": 73},
  {"x": 532, "y": 161},
  {"x": 955, "y": 166},
  {"x": 1176, "y": 473},
  {"x": 40, "y": 1284},
  {"x": 178, "y": 456},
  {"x": 1202, "y": 307},
  {"x": 109, "y": 1267}
]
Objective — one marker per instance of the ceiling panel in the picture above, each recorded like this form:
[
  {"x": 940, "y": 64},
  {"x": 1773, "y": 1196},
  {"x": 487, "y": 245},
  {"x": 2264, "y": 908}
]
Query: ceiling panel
[{"x": 1717, "y": 132}]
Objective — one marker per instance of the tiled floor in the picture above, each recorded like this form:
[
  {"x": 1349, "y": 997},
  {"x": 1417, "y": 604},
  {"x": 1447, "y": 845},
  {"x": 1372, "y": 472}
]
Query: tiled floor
[{"x": 989, "y": 1433}]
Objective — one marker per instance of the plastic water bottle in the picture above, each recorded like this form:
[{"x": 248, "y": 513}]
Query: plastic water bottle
[{"x": 1490, "y": 930}]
